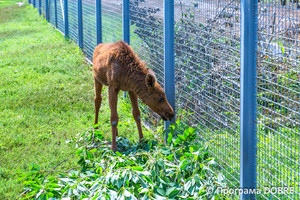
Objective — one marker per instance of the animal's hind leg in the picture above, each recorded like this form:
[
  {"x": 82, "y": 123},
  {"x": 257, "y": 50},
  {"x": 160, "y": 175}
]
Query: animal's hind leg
[
  {"x": 136, "y": 113},
  {"x": 98, "y": 99},
  {"x": 113, "y": 101}
]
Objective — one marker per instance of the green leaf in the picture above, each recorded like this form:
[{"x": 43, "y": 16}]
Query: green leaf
[
  {"x": 169, "y": 190},
  {"x": 183, "y": 164},
  {"x": 137, "y": 168},
  {"x": 118, "y": 153},
  {"x": 70, "y": 192},
  {"x": 191, "y": 149},
  {"x": 161, "y": 191},
  {"x": 186, "y": 133},
  {"x": 177, "y": 141},
  {"x": 81, "y": 188},
  {"x": 148, "y": 180},
  {"x": 119, "y": 183},
  {"x": 143, "y": 183},
  {"x": 93, "y": 150},
  {"x": 174, "y": 193},
  {"x": 169, "y": 140},
  {"x": 161, "y": 162},
  {"x": 96, "y": 185},
  {"x": 53, "y": 185},
  {"x": 181, "y": 137},
  {"x": 187, "y": 185},
  {"x": 66, "y": 180},
  {"x": 210, "y": 161}
]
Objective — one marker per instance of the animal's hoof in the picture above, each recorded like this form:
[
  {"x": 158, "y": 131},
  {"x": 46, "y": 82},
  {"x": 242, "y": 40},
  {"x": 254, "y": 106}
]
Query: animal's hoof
[{"x": 114, "y": 148}]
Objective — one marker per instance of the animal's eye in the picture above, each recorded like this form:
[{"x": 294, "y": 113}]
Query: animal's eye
[{"x": 161, "y": 99}]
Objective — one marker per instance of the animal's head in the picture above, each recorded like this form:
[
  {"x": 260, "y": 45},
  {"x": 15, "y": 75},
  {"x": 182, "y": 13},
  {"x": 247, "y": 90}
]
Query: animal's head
[{"x": 156, "y": 98}]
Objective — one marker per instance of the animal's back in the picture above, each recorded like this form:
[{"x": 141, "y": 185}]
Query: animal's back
[{"x": 115, "y": 62}]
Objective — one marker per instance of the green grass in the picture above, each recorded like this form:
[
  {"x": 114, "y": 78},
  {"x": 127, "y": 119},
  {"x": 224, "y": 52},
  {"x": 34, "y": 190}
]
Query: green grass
[{"x": 46, "y": 97}]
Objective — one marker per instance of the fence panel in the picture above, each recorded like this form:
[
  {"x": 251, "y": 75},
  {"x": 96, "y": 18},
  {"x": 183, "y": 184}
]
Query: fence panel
[
  {"x": 73, "y": 20},
  {"x": 207, "y": 50},
  {"x": 111, "y": 20},
  {"x": 52, "y": 12},
  {"x": 89, "y": 27},
  {"x": 146, "y": 38},
  {"x": 43, "y": 8},
  {"x": 60, "y": 15},
  {"x": 37, "y": 4},
  {"x": 278, "y": 93}
]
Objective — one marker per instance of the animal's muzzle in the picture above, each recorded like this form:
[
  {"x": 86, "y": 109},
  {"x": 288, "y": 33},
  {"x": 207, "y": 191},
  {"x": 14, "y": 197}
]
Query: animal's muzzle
[{"x": 168, "y": 116}]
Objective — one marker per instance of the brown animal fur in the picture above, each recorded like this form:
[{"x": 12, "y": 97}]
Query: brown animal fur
[{"x": 117, "y": 66}]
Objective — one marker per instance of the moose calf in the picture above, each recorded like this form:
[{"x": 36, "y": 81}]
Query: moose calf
[{"x": 118, "y": 67}]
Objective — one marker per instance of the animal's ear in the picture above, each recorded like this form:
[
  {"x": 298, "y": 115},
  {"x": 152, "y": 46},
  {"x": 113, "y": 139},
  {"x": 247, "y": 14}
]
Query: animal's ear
[{"x": 150, "y": 80}]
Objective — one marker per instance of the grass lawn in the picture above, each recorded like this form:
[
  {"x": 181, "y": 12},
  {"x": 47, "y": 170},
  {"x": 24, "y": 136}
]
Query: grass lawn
[{"x": 46, "y": 97}]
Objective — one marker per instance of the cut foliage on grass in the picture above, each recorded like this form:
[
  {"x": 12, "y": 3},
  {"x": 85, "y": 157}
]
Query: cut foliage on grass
[{"x": 182, "y": 169}]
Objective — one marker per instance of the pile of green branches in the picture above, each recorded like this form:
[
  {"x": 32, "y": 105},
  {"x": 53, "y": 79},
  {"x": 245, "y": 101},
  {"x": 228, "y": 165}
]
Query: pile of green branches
[{"x": 180, "y": 169}]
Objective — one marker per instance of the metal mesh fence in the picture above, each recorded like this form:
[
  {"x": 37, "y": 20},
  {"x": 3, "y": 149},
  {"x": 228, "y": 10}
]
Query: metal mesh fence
[
  {"x": 89, "y": 27},
  {"x": 37, "y": 4},
  {"x": 111, "y": 20},
  {"x": 60, "y": 15},
  {"x": 146, "y": 19},
  {"x": 43, "y": 8},
  {"x": 207, "y": 55},
  {"x": 73, "y": 19},
  {"x": 52, "y": 10},
  {"x": 207, "y": 75},
  {"x": 278, "y": 92}
]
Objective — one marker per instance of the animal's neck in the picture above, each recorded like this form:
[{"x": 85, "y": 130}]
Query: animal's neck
[
  {"x": 138, "y": 84},
  {"x": 136, "y": 75}
]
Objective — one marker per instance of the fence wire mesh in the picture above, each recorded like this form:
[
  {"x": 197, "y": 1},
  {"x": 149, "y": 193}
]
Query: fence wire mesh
[
  {"x": 89, "y": 27},
  {"x": 37, "y": 4},
  {"x": 207, "y": 75},
  {"x": 52, "y": 10},
  {"x": 73, "y": 20},
  {"x": 278, "y": 91},
  {"x": 207, "y": 55},
  {"x": 111, "y": 20},
  {"x": 146, "y": 19},
  {"x": 43, "y": 7},
  {"x": 60, "y": 15}
]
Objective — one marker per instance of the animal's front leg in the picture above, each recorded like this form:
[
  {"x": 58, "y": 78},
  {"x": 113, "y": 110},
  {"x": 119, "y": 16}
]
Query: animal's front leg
[
  {"x": 113, "y": 100},
  {"x": 98, "y": 99},
  {"x": 136, "y": 113}
]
